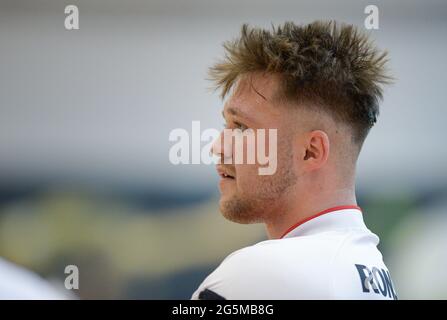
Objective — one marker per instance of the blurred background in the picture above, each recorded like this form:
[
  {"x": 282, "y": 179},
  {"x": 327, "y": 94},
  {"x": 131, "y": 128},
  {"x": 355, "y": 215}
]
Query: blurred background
[{"x": 85, "y": 117}]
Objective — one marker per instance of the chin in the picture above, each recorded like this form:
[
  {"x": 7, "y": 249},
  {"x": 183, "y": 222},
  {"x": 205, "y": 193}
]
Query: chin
[{"x": 238, "y": 211}]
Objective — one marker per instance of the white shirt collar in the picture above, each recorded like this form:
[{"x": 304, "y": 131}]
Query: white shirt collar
[{"x": 336, "y": 218}]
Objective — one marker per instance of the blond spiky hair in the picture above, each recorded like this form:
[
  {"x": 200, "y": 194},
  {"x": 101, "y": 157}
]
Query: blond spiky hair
[{"x": 324, "y": 64}]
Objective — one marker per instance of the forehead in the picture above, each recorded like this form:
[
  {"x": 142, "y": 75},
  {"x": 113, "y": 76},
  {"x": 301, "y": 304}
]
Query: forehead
[{"x": 254, "y": 94}]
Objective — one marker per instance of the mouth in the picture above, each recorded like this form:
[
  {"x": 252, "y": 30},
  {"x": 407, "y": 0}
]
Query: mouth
[
  {"x": 224, "y": 173},
  {"x": 226, "y": 176}
]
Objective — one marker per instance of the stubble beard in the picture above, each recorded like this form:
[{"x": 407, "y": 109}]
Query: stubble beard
[{"x": 262, "y": 203}]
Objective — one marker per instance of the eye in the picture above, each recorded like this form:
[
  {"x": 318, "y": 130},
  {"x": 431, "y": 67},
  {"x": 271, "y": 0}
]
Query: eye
[{"x": 241, "y": 126}]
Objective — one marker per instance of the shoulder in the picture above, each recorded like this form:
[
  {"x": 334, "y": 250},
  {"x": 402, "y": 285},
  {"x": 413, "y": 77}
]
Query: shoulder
[
  {"x": 361, "y": 271},
  {"x": 292, "y": 268},
  {"x": 282, "y": 253}
]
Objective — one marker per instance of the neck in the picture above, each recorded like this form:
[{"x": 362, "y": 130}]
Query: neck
[{"x": 306, "y": 206}]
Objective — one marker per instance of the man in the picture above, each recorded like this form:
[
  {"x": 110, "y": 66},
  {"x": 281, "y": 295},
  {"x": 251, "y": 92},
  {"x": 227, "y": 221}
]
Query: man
[{"x": 319, "y": 86}]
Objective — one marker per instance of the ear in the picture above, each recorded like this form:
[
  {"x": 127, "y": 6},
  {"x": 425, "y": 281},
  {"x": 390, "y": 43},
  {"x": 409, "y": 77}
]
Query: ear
[{"x": 317, "y": 149}]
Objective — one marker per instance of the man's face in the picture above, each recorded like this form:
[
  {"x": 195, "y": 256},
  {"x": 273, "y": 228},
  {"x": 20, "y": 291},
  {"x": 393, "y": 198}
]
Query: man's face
[{"x": 247, "y": 196}]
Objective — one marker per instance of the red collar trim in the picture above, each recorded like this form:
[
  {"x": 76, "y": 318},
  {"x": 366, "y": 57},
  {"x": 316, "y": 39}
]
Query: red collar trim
[{"x": 296, "y": 225}]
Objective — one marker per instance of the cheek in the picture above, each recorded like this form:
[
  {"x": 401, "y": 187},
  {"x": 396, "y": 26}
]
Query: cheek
[
  {"x": 247, "y": 177},
  {"x": 266, "y": 146},
  {"x": 257, "y": 152}
]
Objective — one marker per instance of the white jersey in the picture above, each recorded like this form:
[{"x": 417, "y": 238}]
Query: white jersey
[
  {"x": 331, "y": 255},
  {"x": 19, "y": 283}
]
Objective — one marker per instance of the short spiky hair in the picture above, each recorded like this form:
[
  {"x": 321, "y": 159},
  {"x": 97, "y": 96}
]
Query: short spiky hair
[{"x": 333, "y": 67}]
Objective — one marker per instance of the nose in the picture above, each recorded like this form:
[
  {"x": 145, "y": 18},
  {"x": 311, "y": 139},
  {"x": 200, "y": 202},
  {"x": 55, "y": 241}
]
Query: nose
[
  {"x": 217, "y": 148},
  {"x": 222, "y": 148}
]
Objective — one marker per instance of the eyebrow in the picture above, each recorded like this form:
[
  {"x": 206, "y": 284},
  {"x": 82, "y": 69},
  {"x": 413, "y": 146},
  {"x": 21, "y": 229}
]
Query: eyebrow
[{"x": 236, "y": 112}]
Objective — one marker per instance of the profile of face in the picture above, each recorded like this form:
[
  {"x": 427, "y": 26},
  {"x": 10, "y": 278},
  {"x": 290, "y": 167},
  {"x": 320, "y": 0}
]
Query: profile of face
[{"x": 246, "y": 195}]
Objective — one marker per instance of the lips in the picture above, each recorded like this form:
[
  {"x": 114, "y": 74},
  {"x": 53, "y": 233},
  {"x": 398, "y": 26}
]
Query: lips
[{"x": 224, "y": 172}]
